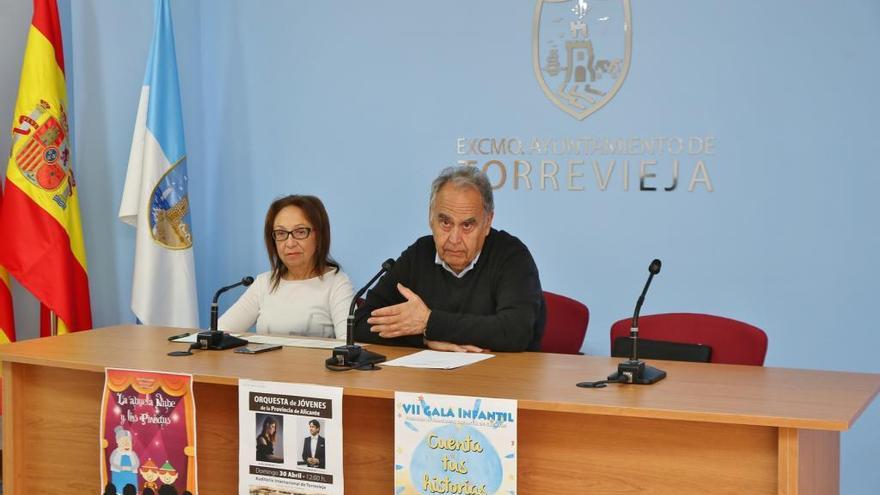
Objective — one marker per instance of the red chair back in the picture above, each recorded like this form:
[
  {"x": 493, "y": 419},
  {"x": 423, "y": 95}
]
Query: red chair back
[
  {"x": 732, "y": 341},
  {"x": 566, "y": 324}
]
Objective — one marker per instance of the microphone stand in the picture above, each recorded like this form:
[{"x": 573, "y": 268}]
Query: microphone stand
[
  {"x": 633, "y": 370},
  {"x": 214, "y": 339},
  {"x": 351, "y": 355}
]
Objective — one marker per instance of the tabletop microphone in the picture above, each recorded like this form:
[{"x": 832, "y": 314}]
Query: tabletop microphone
[
  {"x": 351, "y": 355},
  {"x": 214, "y": 339},
  {"x": 633, "y": 370},
  {"x": 653, "y": 269},
  {"x": 246, "y": 281}
]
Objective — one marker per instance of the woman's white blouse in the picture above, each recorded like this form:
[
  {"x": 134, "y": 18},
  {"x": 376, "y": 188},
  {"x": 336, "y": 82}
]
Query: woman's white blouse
[{"x": 316, "y": 307}]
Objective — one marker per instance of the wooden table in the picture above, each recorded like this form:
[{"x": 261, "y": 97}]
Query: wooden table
[{"x": 704, "y": 429}]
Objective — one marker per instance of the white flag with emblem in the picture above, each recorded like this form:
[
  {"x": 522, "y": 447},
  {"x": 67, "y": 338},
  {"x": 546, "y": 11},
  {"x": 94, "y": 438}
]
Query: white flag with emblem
[{"x": 155, "y": 199}]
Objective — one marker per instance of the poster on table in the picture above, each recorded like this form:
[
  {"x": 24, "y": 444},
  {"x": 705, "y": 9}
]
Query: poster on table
[
  {"x": 454, "y": 444},
  {"x": 290, "y": 439},
  {"x": 148, "y": 433}
]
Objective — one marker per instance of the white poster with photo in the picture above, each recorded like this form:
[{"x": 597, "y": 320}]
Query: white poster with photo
[
  {"x": 290, "y": 439},
  {"x": 454, "y": 444}
]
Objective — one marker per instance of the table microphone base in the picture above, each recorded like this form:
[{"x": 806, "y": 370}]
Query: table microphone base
[
  {"x": 218, "y": 341},
  {"x": 353, "y": 356},
  {"x": 636, "y": 372}
]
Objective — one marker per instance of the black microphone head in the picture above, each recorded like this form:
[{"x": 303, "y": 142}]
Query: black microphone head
[
  {"x": 249, "y": 280},
  {"x": 655, "y": 267},
  {"x": 388, "y": 264}
]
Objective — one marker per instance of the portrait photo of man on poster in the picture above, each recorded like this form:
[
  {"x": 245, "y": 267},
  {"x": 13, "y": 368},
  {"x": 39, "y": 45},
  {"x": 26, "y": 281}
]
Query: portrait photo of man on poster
[{"x": 313, "y": 454}]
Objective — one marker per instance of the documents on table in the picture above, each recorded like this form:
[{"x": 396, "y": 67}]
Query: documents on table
[
  {"x": 314, "y": 343},
  {"x": 438, "y": 359}
]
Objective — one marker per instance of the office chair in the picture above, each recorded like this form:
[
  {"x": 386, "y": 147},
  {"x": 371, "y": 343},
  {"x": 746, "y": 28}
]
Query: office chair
[
  {"x": 566, "y": 324},
  {"x": 730, "y": 341}
]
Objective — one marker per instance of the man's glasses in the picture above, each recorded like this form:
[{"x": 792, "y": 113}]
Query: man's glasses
[{"x": 300, "y": 233}]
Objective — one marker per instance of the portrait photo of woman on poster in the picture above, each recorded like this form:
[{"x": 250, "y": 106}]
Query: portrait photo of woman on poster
[{"x": 270, "y": 434}]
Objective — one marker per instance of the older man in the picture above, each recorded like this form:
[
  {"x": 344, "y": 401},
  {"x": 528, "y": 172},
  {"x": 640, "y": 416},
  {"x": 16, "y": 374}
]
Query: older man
[{"x": 467, "y": 287}]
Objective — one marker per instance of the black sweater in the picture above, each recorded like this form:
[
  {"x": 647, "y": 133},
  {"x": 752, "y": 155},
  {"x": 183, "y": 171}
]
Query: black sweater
[{"x": 497, "y": 305}]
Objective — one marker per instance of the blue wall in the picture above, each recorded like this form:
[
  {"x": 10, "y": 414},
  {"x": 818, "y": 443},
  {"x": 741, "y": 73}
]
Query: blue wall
[{"x": 362, "y": 103}]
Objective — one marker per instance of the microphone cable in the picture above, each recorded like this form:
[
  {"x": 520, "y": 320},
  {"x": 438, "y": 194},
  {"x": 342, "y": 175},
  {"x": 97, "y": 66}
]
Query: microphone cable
[
  {"x": 363, "y": 367},
  {"x": 188, "y": 352},
  {"x": 601, "y": 383}
]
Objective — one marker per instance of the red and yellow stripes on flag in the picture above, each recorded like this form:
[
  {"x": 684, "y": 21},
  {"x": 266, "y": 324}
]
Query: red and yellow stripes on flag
[
  {"x": 42, "y": 244},
  {"x": 7, "y": 319}
]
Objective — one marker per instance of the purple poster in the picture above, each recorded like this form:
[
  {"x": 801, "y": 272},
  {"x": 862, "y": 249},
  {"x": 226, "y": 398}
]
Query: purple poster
[{"x": 148, "y": 434}]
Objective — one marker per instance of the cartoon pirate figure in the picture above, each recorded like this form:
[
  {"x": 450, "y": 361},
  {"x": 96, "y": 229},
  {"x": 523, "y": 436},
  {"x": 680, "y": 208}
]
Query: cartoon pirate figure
[
  {"x": 167, "y": 473},
  {"x": 150, "y": 473}
]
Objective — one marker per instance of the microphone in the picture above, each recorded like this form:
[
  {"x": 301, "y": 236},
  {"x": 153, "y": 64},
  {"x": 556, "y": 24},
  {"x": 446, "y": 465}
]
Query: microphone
[
  {"x": 214, "y": 339},
  {"x": 633, "y": 370},
  {"x": 349, "y": 333},
  {"x": 653, "y": 269},
  {"x": 351, "y": 355},
  {"x": 246, "y": 281}
]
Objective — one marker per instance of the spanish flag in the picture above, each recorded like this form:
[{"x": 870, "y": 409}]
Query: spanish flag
[
  {"x": 41, "y": 242},
  {"x": 7, "y": 319}
]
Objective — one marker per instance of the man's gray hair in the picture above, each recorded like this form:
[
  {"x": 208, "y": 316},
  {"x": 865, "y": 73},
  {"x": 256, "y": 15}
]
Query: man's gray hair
[{"x": 464, "y": 176}]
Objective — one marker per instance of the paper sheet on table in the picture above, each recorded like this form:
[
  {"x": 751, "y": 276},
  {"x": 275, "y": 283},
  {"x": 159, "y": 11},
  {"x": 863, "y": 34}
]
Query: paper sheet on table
[
  {"x": 438, "y": 359},
  {"x": 315, "y": 343}
]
